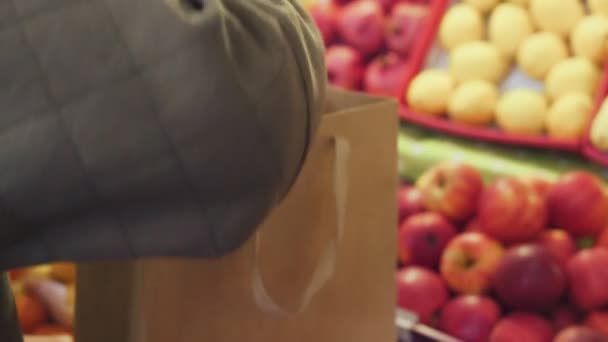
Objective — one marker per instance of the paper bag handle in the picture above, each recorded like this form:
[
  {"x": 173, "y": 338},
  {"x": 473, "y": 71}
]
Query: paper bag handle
[{"x": 326, "y": 266}]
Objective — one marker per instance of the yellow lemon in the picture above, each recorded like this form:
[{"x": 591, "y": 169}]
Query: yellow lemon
[
  {"x": 590, "y": 38},
  {"x": 521, "y": 111},
  {"x": 599, "y": 129},
  {"x": 473, "y": 103},
  {"x": 509, "y": 25},
  {"x": 539, "y": 52},
  {"x": 461, "y": 23},
  {"x": 430, "y": 91},
  {"x": 557, "y": 16},
  {"x": 523, "y": 3},
  {"x": 569, "y": 116},
  {"x": 598, "y": 7},
  {"x": 477, "y": 60},
  {"x": 572, "y": 75},
  {"x": 484, "y": 6}
]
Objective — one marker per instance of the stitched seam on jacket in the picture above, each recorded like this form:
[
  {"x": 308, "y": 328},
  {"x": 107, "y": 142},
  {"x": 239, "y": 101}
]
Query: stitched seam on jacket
[
  {"x": 58, "y": 115},
  {"x": 305, "y": 88},
  {"x": 172, "y": 146},
  {"x": 263, "y": 136},
  {"x": 284, "y": 21}
]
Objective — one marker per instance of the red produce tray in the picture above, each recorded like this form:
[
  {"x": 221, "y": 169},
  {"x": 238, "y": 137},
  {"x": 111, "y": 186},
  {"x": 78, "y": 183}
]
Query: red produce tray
[
  {"x": 418, "y": 60},
  {"x": 589, "y": 150}
]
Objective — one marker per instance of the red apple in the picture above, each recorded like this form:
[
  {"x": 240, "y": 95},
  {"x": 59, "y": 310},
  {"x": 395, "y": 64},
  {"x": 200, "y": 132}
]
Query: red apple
[
  {"x": 559, "y": 243},
  {"x": 410, "y": 202},
  {"x": 422, "y": 239},
  {"x": 540, "y": 185},
  {"x": 578, "y": 204},
  {"x": 588, "y": 276},
  {"x": 529, "y": 278},
  {"x": 602, "y": 240},
  {"x": 387, "y": 5},
  {"x": 403, "y": 27},
  {"x": 469, "y": 318},
  {"x": 598, "y": 320},
  {"x": 344, "y": 67},
  {"x": 341, "y": 2},
  {"x": 469, "y": 262},
  {"x": 564, "y": 317},
  {"x": 386, "y": 76},
  {"x": 324, "y": 14},
  {"x": 452, "y": 189},
  {"x": 473, "y": 226},
  {"x": 520, "y": 327},
  {"x": 421, "y": 291},
  {"x": 361, "y": 25},
  {"x": 580, "y": 334},
  {"x": 511, "y": 211}
]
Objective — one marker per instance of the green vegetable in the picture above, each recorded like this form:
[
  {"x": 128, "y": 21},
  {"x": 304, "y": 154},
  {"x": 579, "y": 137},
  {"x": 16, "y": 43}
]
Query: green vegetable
[{"x": 420, "y": 148}]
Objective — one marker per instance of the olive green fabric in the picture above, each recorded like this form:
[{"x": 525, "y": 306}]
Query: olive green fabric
[{"x": 9, "y": 326}]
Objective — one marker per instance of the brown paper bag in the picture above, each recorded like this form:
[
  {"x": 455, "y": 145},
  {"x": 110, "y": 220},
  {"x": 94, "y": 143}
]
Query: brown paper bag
[{"x": 321, "y": 267}]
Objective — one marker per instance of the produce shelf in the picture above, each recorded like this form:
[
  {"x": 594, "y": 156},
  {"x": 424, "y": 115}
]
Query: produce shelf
[
  {"x": 590, "y": 151},
  {"x": 419, "y": 57},
  {"x": 486, "y": 134}
]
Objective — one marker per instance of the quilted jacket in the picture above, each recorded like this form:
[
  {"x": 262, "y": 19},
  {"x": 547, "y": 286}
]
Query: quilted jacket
[{"x": 135, "y": 128}]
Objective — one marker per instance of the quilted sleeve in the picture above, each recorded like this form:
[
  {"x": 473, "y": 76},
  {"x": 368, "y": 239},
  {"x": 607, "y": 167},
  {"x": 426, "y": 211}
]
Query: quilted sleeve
[
  {"x": 150, "y": 128},
  {"x": 277, "y": 56}
]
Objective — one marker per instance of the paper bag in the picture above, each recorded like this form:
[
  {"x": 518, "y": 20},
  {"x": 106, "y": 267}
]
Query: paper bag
[{"x": 321, "y": 267}]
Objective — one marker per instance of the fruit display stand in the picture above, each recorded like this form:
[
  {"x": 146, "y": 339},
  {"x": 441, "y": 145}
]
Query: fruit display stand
[
  {"x": 420, "y": 149},
  {"x": 503, "y": 233},
  {"x": 595, "y": 143},
  {"x": 474, "y": 57},
  {"x": 371, "y": 45},
  {"x": 499, "y": 254},
  {"x": 540, "y": 81}
]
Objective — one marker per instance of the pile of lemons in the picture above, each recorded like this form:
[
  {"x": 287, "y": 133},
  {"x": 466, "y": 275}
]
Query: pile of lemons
[{"x": 561, "y": 43}]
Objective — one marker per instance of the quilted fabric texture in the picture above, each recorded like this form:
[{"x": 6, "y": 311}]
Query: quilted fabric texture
[{"x": 131, "y": 129}]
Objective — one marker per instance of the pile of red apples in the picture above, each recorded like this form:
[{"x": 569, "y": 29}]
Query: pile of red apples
[
  {"x": 369, "y": 41},
  {"x": 515, "y": 260}
]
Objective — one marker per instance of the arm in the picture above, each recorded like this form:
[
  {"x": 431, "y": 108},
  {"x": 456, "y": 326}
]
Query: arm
[
  {"x": 74, "y": 159},
  {"x": 172, "y": 132}
]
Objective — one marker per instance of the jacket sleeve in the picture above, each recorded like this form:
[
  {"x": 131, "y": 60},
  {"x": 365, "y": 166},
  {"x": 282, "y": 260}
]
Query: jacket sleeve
[
  {"x": 278, "y": 57},
  {"x": 155, "y": 128}
]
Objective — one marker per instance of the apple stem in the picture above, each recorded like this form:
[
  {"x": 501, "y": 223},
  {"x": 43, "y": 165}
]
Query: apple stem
[
  {"x": 468, "y": 262},
  {"x": 441, "y": 180},
  {"x": 585, "y": 243}
]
